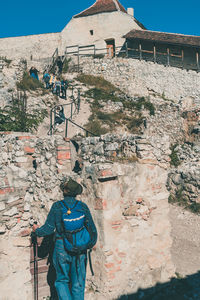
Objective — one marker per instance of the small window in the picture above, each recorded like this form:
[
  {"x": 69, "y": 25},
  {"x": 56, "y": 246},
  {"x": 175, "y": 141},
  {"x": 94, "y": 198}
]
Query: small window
[{"x": 91, "y": 32}]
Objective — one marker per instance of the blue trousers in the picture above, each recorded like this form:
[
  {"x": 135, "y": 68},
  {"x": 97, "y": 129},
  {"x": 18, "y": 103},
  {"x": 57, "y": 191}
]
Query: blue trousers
[{"x": 70, "y": 273}]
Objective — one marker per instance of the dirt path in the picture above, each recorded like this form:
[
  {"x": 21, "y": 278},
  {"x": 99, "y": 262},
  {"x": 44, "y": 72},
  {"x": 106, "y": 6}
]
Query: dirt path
[{"x": 186, "y": 241}]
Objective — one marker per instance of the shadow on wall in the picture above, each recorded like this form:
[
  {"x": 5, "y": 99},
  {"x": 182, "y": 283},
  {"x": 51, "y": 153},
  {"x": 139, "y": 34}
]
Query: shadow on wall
[{"x": 176, "y": 289}]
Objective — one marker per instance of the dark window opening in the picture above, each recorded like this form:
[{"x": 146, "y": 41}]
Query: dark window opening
[{"x": 91, "y": 32}]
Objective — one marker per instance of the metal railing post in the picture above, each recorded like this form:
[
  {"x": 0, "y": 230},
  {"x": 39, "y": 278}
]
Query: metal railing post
[
  {"x": 78, "y": 59},
  {"x": 54, "y": 120},
  {"x": 126, "y": 49},
  {"x": 71, "y": 109},
  {"x": 51, "y": 122},
  {"x": 66, "y": 128},
  {"x": 79, "y": 100}
]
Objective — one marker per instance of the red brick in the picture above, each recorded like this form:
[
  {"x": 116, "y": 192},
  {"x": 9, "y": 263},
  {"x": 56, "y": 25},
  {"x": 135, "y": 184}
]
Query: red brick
[
  {"x": 109, "y": 265},
  {"x": 63, "y": 148},
  {"x": 63, "y": 155},
  {"x": 25, "y": 232},
  {"x": 61, "y": 162},
  {"x": 116, "y": 224},
  {"x": 100, "y": 204},
  {"x": 5, "y": 132},
  {"x": 111, "y": 276},
  {"x": 106, "y": 173},
  {"x": 121, "y": 254},
  {"x": 29, "y": 150},
  {"x": 23, "y": 137},
  {"x": 6, "y": 190}
]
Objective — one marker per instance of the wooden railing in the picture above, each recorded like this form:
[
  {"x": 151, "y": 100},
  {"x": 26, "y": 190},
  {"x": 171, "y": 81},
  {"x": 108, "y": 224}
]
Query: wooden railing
[{"x": 166, "y": 58}]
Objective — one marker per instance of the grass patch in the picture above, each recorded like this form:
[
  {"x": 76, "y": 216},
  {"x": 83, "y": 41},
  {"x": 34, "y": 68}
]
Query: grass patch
[
  {"x": 28, "y": 83},
  {"x": 99, "y": 94},
  {"x": 134, "y": 123},
  {"x": 140, "y": 104},
  {"x": 129, "y": 116},
  {"x": 98, "y": 82},
  {"x": 175, "y": 161},
  {"x": 96, "y": 127}
]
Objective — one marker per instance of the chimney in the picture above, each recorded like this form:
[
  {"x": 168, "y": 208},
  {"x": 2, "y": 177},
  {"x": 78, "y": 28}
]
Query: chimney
[{"x": 130, "y": 11}]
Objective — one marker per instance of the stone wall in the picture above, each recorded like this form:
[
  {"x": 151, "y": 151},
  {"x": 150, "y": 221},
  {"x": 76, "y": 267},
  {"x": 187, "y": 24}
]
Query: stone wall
[
  {"x": 125, "y": 190},
  {"x": 30, "y": 172},
  {"x": 146, "y": 78},
  {"x": 31, "y": 46},
  {"x": 183, "y": 180}
]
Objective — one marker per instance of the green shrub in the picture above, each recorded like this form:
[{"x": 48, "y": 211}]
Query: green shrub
[
  {"x": 194, "y": 207},
  {"x": 96, "y": 127},
  {"x": 178, "y": 198},
  {"x": 134, "y": 123},
  {"x": 98, "y": 56},
  {"x": 65, "y": 68},
  {"x": 6, "y": 60},
  {"x": 16, "y": 118},
  {"x": 28, "y": 83},
  {"x": 175, "y": 161}
]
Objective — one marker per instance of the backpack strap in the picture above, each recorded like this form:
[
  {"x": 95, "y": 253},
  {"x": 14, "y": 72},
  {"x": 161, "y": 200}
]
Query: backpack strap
[{"x": 64, "y": 205}]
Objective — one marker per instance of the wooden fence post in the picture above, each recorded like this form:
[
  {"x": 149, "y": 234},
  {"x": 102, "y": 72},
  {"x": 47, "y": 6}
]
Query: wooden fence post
[
  {"x": 154, "y": 54},
  {"x": 182, "y": 57},
  {"x": 126, "y": 49},
  {"x": 168, "y": 62},
  {"x": 197, "y": 60},
  {"x": 140, "y": 51}
]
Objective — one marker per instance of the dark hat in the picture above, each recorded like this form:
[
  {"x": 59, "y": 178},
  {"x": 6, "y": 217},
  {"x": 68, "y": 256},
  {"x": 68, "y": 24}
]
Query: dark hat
[{"x": 72, "y": 188}]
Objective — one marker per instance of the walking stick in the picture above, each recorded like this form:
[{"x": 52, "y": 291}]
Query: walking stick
[{"x": 35, "y": 251}]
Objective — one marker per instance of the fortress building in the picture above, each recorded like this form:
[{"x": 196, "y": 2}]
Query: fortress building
[
  {"x": 103, "y": 24},
  {"x": 110, "y": 28}
]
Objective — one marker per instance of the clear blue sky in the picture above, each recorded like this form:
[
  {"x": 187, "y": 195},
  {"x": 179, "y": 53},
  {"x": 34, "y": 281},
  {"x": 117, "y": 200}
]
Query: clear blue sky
[{"x": 24, "y": 17}]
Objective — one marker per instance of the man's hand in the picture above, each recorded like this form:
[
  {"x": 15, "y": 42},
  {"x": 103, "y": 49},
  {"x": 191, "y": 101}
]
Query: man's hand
[{"x": 34, "y": 227}]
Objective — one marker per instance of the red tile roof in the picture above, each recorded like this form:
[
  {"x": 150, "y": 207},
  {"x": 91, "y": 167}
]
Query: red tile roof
[
  {"x": 101, "y": 6},
  {"x": 171, "y": 38}
]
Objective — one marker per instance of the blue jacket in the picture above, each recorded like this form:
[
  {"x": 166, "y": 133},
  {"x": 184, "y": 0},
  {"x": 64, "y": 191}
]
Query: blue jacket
[{"x": 54, "y": 221}]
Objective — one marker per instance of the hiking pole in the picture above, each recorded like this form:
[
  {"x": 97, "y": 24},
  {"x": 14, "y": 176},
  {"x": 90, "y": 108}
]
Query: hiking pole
[
  {"x": 35, "y": 250},
  {"x": 90, "y": 261}
]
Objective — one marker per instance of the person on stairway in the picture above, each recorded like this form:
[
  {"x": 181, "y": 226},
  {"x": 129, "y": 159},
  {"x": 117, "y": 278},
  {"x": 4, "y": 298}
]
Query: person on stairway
[
  {"x": 60, "y": 116},
  {"x": 46, "y": 78},
  {"x": 70, "y": 264},
  {"x": 34, "y": 73}
]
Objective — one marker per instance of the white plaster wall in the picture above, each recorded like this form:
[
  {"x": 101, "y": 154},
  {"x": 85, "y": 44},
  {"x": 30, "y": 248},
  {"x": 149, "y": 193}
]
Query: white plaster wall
[
  {"x": 105, "y": 26},
  {"x": 39, "y": 46}
]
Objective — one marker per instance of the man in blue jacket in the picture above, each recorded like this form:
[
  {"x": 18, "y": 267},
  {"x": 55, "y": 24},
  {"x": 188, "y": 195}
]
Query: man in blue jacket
[{"x": 70, "y": 266}]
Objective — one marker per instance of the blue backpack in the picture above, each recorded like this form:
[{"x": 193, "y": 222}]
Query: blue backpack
[{"x": 76, "y": 235}]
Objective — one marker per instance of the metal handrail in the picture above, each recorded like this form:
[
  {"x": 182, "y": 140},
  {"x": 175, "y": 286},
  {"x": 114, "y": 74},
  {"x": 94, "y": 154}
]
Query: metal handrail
[{"x": 66, "y": 129}]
